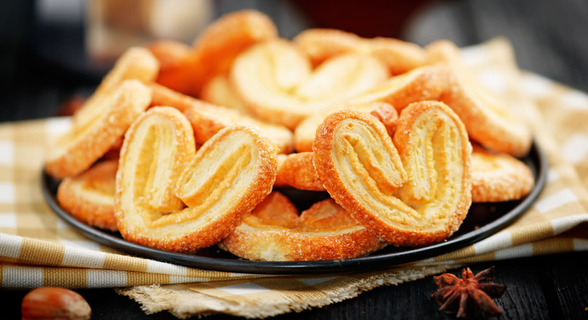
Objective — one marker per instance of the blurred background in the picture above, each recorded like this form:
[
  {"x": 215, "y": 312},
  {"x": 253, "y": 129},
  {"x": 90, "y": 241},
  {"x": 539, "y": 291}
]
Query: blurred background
[{"x": 55, "y": 52}]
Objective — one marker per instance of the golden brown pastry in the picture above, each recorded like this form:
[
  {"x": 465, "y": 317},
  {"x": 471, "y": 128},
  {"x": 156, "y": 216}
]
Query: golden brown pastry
[
  {"x": 488, "y": 118},
  {"x": 214, "y": 50},
  {"x": 499, "y": 177},
  {"x": 90, "y": 139},
  {"x": 219, "y": 91},
  {"x": 424, "y": 83},
  {"x": 275, "y": 232},
  {"x": 89, "y": 197},
  {"x": 207, "y": 119},
  {"x": 415, "y": 191},
  {"x": 171, "y": 198},
  {"x": 278, "y": 85},
  {"x": 306, "y": 130},
  {"x": 296, "y": 170},
  {"x": 135, "y": 63},
  {"x": 169, "y": 53},
  {"x": 322, "y": 44}
]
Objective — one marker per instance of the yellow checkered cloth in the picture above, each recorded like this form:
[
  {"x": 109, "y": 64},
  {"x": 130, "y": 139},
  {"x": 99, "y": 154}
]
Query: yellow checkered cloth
[{"x": 38, "y": 249}]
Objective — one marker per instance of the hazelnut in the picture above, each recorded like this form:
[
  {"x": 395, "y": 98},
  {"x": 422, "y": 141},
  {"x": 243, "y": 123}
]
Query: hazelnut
[{"x": 54, "y": 303}]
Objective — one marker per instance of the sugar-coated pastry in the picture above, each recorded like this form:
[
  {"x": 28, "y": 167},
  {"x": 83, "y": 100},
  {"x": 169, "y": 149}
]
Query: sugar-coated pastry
[
  {"x": 172, "y": 198},
  {"x": 499, "y": 177},
  {"x": 321, "y": 44},
  {"x": 296, "y": 170},
  {"x": 278, "y": 85},
  {"x": 306, "y": 130},
  {"x": 88, "y": 140},
  {"x": 487, "y": 116},
  {"x": 135, "y": 63},
  {"x": 89, "y": 197},
  {"x": 273, "y": 231},
  {"x": 214, "y": 50},
  {"x": 208, "y": 119},
  {"x": 424, "y": 83},
  {"x": 415, "y": 191}
]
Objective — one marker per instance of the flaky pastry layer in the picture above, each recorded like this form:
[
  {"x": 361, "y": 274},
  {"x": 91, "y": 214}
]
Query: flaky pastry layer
[
  {"x": 89, "y": 197},
  {"x": 214, "y": 187},
  {"x": 412, "y": 192},
  {"x": 273, "y": 231}
]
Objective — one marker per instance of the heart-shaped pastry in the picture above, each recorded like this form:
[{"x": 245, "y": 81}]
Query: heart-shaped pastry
[
  {"x": 277, "y": 83},
  {"x": 415, "y": 191},
  {"x": 170, "y": 197},
  {"x": 273, "y": 231}
]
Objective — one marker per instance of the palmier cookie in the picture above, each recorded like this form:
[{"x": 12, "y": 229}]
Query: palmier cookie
[
  {"x": 487, "y": 116},
  {"x": 322, "y": 44},
  {"x": 306, "y": 130},
  {"x": 277, "y": 83},
  {"x": 207, "y": 119},
  {"x": 415, "y": 191},
  {"x": 499, "y": 177},
  {"x": 87, "y": 141},
  {"x": 135, "y": 63},
  {"x": 172, "y": 198},
  {"x": 213, "y": 51},
  {"x": 89, "y": 197},
  {"x": 275, "y": 232}
]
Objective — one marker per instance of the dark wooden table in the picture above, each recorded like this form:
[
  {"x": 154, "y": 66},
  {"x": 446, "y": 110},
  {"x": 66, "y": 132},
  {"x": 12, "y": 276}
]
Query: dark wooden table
[{"x": 550, "y": 38}]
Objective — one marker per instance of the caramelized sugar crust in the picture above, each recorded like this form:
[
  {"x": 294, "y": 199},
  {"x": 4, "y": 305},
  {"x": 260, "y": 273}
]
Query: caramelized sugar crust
[{"x": 273, "y": 231}]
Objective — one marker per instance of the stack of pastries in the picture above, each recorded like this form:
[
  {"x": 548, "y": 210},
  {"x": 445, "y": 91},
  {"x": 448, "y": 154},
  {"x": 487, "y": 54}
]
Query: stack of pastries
[{"x": 183, "y": 147}]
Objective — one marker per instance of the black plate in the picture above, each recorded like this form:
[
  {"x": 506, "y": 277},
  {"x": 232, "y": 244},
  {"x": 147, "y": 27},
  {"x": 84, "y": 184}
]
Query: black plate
[{"x": 483, "y": 220}]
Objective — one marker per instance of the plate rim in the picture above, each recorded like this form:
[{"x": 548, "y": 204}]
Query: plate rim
[{"x": 371, "y": 262}]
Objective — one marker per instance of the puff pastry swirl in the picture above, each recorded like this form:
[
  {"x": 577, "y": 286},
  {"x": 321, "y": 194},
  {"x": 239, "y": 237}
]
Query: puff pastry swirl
[
  {"x": 415, "y": 191},
  {"x": 172, "y": 198}
]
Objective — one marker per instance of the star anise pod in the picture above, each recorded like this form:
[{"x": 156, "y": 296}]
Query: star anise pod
[{"x": 469, "y": 294}]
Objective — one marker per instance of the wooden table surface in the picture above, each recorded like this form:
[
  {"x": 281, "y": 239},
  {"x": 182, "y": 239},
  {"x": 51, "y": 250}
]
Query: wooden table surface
[{"x": 550, "y": 38}]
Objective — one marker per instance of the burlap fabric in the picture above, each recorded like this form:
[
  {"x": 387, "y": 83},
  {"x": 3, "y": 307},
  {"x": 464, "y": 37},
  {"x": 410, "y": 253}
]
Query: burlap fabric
[{"x": 38, "y": 249}]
